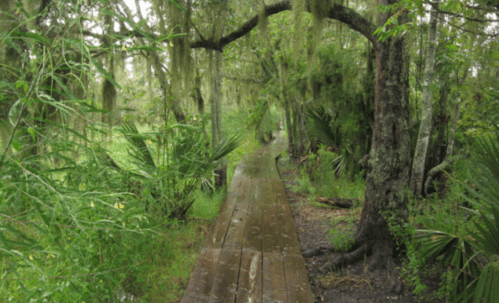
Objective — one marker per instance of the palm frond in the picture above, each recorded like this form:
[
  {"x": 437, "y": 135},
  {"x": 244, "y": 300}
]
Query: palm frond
[
  {"x": 139, "y": 150},
  {"x": 323, "y": 126},
  {"x": 227, "y": 144},
  {"x": 487, "y": 289}
]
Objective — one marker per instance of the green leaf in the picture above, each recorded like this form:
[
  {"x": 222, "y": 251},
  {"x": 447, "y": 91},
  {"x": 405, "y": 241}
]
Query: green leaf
[
  {"x": 34, "y": 36},
  {"x": 487, "y": 290},
  {"x": 16, "y": 145},
  {"x": 32, "y": 132},
  {"x": 176, "y": 4}
]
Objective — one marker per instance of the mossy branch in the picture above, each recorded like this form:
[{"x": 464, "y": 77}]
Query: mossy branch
[{"x": 338, "y": 12}]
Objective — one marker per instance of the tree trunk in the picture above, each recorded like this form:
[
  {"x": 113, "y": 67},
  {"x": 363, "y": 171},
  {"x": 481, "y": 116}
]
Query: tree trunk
[
  {"x": 447, "y": 162},
  {"x": 9, "y": 57},
  {"x": 418, "y": 164},
  {"x": 442, "y": 121},
  {"x": 216, "y": 119},
  {"x": 289, "y": 128},
  {"x": 285, "y": 99},
  {"x": 389, "y": 160},
  {"x": 298, "y": 148},
  {"x": 108, "y": 90},
  {"x": 165, "y": 87}
]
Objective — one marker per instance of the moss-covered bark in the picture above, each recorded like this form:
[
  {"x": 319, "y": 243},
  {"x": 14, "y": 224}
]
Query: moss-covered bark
[{"x": 389, "y": 163}]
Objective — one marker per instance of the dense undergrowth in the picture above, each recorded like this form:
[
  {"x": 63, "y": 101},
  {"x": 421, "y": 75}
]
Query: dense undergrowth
[
  {"x": 451, "y": 233},
  {"x": 91, "y": 227}
]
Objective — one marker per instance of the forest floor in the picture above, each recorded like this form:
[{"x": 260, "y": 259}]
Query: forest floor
[{"x": 350, "y": 284}]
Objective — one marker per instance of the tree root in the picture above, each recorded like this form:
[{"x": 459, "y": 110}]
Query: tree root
[
  {"x": 378, "y": 260},
  {"x": 381, "y": 258},
  {"x": 322, "y": 250},
  {"x": 346, "y": 258}
]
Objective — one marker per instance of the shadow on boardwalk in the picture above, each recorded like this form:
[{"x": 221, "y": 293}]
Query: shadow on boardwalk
[{"x": 252, "y": 253}]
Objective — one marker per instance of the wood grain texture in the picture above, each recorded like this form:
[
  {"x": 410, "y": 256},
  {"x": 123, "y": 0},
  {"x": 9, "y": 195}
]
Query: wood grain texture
[
  {"x": 201, "y": 282},
  {"x": 250, "y": 286},
  {"x": 252, "y": 254},
  {"x": 274, "y": 278}
]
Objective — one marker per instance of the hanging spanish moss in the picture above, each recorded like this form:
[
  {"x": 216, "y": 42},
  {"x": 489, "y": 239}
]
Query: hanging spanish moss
[
  {"x": 179, "y": 48},
  {"x": 108, "y": 97},
  {"x": 319, "y": 9},
  {"x": 263, "y": 23},
  {"x": 108, "y": 89},
  {"x": 299, "y": 7}
]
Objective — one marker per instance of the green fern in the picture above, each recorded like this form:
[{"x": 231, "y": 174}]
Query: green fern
[{"x": 472, "y": 281}]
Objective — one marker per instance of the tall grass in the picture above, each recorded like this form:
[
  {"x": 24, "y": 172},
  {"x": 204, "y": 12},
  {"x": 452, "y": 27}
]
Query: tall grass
[{"x": 320, "y": 178}]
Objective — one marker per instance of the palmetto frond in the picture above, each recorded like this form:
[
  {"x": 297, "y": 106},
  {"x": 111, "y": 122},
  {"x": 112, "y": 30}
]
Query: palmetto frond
[
  {"x": 324, "y": 128},
  {"x": 139, "y": 150},
  {"x": 479, "y": 284},
  {"x": 227, "y": 143},
  {"x": 187, "y": 163}
]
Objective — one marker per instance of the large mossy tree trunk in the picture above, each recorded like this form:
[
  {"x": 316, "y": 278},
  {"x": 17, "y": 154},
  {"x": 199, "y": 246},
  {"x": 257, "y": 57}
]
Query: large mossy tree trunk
[
  {"x": 389, "y": 159},
  {"x": 389, "y": 162}
]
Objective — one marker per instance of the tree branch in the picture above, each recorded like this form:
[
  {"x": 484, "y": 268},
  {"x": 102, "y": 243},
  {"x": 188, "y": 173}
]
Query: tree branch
[
  {"x": 436, "y": 7},
  {"x": 338, "y": 12}
]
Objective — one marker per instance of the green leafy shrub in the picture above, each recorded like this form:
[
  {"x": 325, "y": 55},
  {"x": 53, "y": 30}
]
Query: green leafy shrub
[
  {"x": 342, "y": 235},
  {"x": 472, "y": 254},
  {"x": 185, "y": 164}
]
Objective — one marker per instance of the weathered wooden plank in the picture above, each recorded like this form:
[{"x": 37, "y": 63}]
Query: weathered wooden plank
[
  {"x": 289, "y": 239},
  {"x": 253, "y": 231},
  {"x": 268, "y": 166},
  {"x": 245, "y": 169},
  {"x": 218, "y": 231},
  {"x": 252, "y": 253},
  {"x": 251, "y": 165},
  {"x": 250, "y": 285},
  {"x": 237, "y": 224},
  {"x": 271, "y": 241},
  {"x": 271, "y": 228},
  {"x": 274, "y": 278},
  {"x": 298, "y": 289},
  {"x": 226, "y": 278},
  {"x": 278, "y": 147},
  {"x": 201, "y": 281}
]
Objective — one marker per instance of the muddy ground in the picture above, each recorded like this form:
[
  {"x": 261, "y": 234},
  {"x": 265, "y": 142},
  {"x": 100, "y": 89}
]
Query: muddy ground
[{"x": 350, "y": 284}]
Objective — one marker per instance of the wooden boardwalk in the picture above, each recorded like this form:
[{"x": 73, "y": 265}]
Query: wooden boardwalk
[{"x": 251, "y": 253}]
